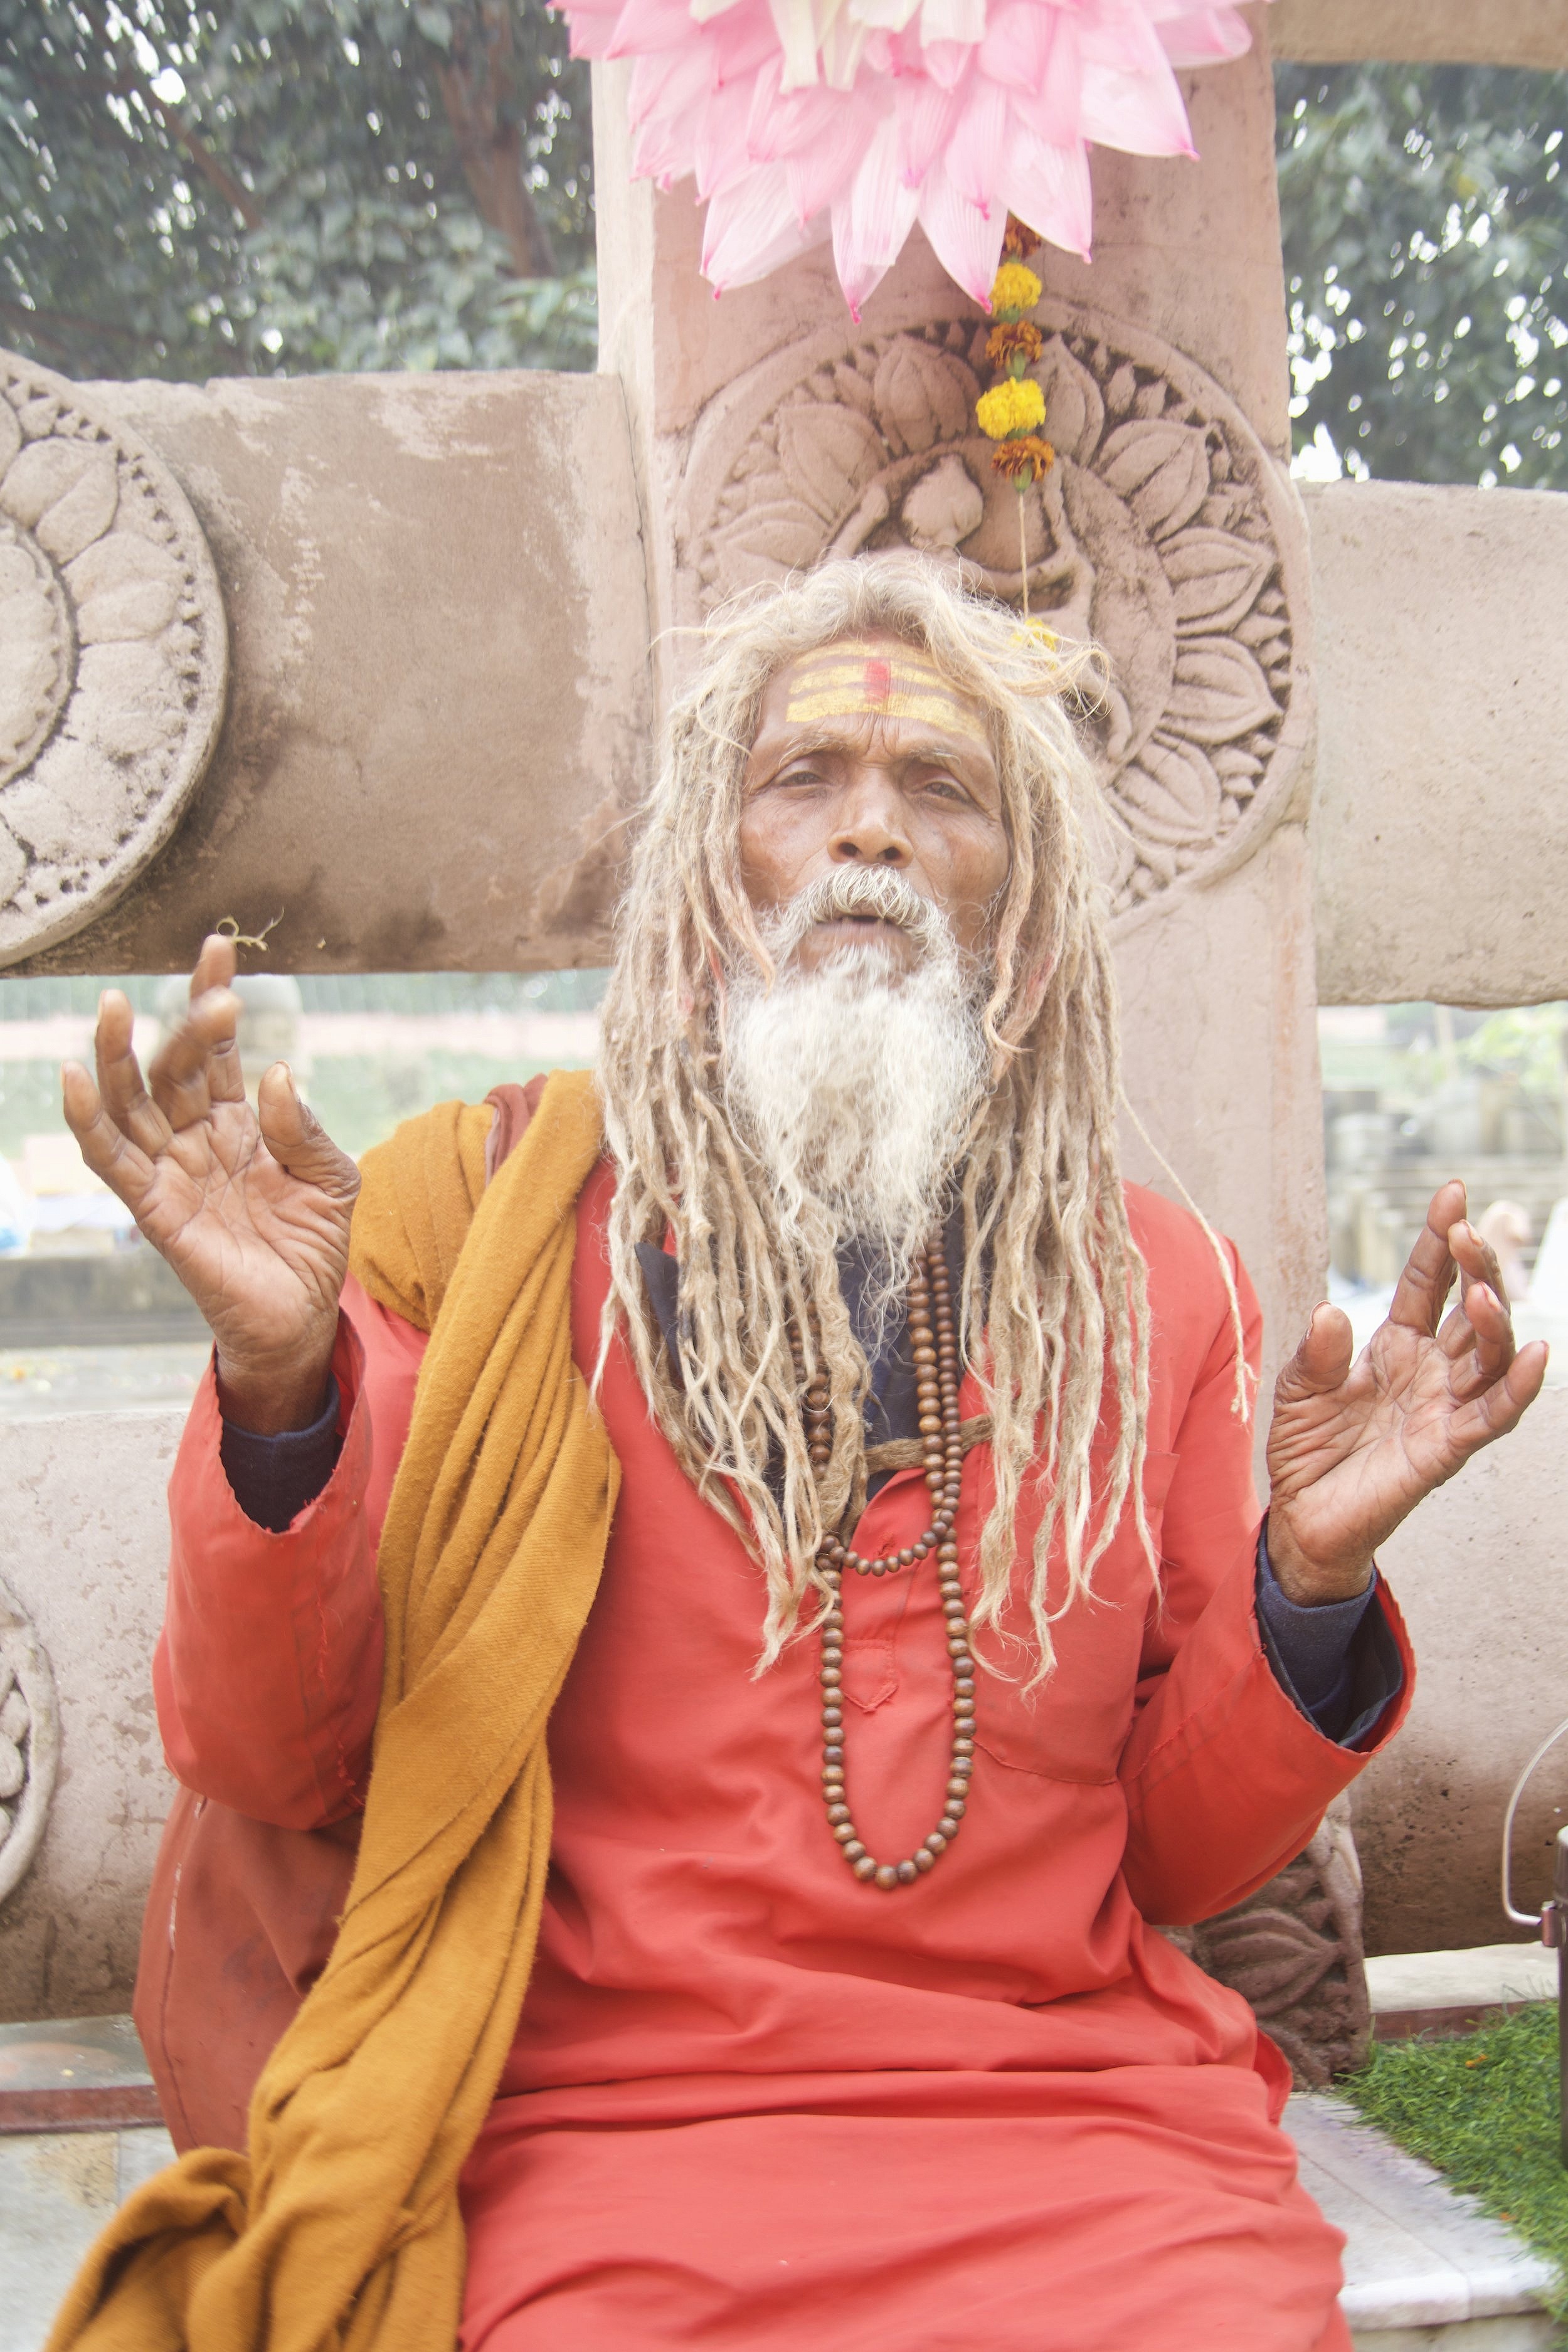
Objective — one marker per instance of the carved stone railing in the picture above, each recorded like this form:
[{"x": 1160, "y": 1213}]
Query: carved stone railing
[{"x": 29, "y": 1741}]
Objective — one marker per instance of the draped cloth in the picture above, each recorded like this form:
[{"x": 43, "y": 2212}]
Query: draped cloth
[{"x": 340, "y": 2231}]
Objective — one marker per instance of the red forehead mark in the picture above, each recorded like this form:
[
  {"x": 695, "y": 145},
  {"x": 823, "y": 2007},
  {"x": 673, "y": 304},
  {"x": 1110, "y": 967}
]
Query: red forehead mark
[{"x": 879, "y": 679}]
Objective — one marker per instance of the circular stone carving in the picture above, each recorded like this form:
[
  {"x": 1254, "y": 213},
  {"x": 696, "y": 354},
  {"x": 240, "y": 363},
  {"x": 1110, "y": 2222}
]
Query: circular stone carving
[
  {"x": 29, "y": 1741},
  {"x": 1165, "y": 533},
  {"x": 113, "y": 657}
]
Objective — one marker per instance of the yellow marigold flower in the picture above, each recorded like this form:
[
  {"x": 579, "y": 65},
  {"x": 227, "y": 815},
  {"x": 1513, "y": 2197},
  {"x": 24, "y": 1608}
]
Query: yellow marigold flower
[
  {"x": 1016, "y": 405},
  {"x": 1035, "y": 633},
  {"x": 1015, "y": 287}
]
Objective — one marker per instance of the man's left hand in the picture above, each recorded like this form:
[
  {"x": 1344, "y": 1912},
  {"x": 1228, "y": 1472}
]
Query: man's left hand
[{"x": 1354, "y": 1447}]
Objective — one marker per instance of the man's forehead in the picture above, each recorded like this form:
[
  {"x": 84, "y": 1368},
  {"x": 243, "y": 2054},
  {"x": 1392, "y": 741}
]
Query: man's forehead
[{"x": 876, "y": 677}]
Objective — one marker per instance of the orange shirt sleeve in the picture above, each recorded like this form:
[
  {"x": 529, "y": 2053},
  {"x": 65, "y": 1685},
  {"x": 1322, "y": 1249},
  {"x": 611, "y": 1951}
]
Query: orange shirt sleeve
[
  {"x": 268, "y": 1672},
  {"x": 1227, "y": 1779}
]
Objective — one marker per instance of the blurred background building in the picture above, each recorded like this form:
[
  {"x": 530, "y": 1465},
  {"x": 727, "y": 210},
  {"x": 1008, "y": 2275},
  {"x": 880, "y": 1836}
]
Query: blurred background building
[{"x": 1413, "y": 1094}]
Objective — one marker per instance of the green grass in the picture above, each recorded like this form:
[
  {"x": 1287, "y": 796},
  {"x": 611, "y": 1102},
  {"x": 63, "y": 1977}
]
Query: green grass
[{"x": 1482, "y": 2107}]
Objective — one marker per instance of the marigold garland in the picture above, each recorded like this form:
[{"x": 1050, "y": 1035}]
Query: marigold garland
[{"x": 1015, "y": 406}]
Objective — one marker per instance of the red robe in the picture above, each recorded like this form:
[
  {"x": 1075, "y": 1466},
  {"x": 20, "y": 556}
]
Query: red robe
[{"x": 752, "y": 2102}]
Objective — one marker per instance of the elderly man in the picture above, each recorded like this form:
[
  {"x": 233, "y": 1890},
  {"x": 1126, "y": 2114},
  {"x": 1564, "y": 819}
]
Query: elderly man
[{"x": 937, "y": 1646}]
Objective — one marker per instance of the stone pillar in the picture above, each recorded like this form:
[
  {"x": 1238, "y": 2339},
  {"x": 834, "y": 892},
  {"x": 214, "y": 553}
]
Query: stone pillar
[{"x": 769, "y": 430}]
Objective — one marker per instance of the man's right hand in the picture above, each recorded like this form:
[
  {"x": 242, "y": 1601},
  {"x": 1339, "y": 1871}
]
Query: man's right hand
[{"x": 252, "y": 1211}]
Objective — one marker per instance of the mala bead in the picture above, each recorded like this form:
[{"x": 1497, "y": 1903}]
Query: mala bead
[{"x": 935, "y": 1352}]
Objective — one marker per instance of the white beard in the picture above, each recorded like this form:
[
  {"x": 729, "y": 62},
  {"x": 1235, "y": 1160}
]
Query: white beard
[{"x": 856, "y": 1084}]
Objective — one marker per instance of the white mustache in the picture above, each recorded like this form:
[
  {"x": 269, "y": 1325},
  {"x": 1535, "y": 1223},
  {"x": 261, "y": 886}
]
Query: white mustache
[{"x": 880, "y": 891}]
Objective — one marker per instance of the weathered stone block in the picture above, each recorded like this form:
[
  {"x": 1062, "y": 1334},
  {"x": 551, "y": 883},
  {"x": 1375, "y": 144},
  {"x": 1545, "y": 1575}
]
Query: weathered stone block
[
  {"x": 1440, "y": 814},
  {"x": 438, "y": 711},
  {"x": 84, "y": 1548}
]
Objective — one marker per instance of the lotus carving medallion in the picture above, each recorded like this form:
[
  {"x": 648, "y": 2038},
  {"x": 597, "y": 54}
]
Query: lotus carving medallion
[
  {"x": 1165, "y": 533},
  {"x": 29, "y": 1741},
  {"x": 112, "y": 657}
]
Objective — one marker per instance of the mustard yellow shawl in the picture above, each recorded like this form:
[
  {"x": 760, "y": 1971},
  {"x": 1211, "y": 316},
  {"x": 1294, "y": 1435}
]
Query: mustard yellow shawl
[{"x": 341, "y": 2229}]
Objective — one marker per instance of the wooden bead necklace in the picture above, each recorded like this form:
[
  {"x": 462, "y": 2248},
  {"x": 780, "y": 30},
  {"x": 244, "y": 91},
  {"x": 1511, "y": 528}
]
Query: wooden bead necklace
[{"x": 936, "y": 1388}]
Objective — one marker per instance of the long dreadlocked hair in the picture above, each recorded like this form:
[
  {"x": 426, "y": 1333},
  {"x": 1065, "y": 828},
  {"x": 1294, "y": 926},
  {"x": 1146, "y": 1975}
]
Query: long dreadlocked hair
[{"x": 1058, "y": 1337}]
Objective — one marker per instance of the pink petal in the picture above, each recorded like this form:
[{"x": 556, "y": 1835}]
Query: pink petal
[
  {"x": 795, "y": 123},
  {"x": 744, "y": 43},
  {"x": 1056, "y": 109},
  {"x": 882, "y": 206},
  {"x": 669, "y": 84},
  {"x": 953, "y": 20},
  {"x": 661, "y": 150},
  {"x": 843, "y": 46},
  {"x": 926, "y": 115},
  {"x": 1142, "y": 114},
  {"x": 947, "y": 62},
  {"x": 886, "y": 15},
  {"x": 975, "y": 151},
  {"x": 645, "y": 25},
  {"x": 776, "y": 121},
  {"x": 795, "y": 23},
  {"x": 1207, "y": 36},
  {"x": 592, "y": 29},
  {"x": 820, "y": 170},
  {"x": 750, "y": 229},
  {"x": 967, "y": 245},
  {"x": 1018, "y": 45},
  {"x": 720, "y": 155},
  {"x": 858, "y": 277},
  {"x": 1048, "y": 187}
]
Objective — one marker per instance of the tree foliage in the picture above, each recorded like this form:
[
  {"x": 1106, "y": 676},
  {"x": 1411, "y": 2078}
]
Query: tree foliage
[
  {"x": 289, "y": 187},
  {"x": 208, "y": 187},
  {"x": 1426, "y": 232}
]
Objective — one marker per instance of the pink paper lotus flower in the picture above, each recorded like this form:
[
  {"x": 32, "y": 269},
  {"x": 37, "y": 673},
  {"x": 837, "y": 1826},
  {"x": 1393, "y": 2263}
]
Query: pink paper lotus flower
[{"x": 798, "y": 116}]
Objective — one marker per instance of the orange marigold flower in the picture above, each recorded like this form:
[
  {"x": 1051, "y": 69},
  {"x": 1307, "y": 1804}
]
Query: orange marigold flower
[
  {"x": 1013, "y": 336},
  {"x": 1017, "y": 242},
  {"x": 1027, "y": 454}
]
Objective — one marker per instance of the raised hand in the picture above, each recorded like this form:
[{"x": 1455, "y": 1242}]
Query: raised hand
[
  {"x": 1354, "y": 1448},
  {"x": 252, "y": 1211}
]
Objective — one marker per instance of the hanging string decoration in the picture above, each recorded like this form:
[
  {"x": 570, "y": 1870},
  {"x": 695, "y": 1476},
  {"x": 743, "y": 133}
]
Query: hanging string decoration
[
  {"x": 856, "y": 119},
  {"x": 1013, "y": 411}
]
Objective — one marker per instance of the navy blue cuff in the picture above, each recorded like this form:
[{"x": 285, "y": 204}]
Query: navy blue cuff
[
  {"x": 273, "y": 1478},
  {"x": 1339, "y": 1663}
]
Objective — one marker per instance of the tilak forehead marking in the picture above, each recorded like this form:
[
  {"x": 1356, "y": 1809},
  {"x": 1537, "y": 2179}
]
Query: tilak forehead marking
[{"x": 862, "y": 677}]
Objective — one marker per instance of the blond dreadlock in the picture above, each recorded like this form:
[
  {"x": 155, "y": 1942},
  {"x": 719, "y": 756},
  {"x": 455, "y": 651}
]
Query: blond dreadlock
[{"x": 1065, "y": 1340}]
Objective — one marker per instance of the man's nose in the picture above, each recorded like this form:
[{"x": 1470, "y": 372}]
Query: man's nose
[{"x": 871, "y": 828}]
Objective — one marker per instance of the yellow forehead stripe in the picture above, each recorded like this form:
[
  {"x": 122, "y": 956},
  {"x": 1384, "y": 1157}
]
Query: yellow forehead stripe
[{"x": 864, "y": 678}]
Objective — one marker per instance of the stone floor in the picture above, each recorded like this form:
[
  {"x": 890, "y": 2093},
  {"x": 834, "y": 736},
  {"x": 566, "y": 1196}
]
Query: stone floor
[
  {"x": 1422, "y": 2267},
  {"x": 57, "y": 2190}
]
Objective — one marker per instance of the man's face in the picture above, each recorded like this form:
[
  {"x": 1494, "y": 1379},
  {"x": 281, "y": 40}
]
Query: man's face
[{"x": 865, "y": 756}]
